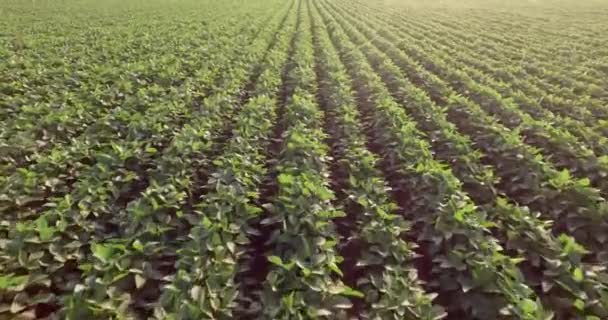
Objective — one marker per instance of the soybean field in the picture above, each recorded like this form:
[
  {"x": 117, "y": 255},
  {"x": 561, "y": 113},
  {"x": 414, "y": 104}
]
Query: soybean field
[{"x": 304, "y": 159}]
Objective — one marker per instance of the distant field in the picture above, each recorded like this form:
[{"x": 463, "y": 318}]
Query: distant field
[{"x": 303, "y": 159}]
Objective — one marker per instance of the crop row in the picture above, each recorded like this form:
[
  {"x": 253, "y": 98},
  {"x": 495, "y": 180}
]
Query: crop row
[
  {"x": 522, "y": 226},
  {"x": 93, "y": 223},
  {"x": 377, "y": 260},
  {"x": 301, "y": 279},
  {"x": 124, "y": 142},
  {"x": 509, "y": 84},
  {"x": 461, "y": 260},
  {"x": 516, "y": 163},
  {"x": 550, "y": 140},
  {"x": 580, "y": 79},
  {"x": 204, "y": 284},
  {"x": 112, "y": 80},
  {"x": 505, "y": 50}
]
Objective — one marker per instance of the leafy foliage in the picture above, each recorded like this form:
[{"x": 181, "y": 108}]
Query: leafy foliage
[{"x": 303, "y": 159}]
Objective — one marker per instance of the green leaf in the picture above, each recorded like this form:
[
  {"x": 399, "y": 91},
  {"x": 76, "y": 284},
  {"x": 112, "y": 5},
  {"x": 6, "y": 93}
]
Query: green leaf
[
  {"x": 585, "y": 182},
  {"x": 137, "y": 245},
  {"x": 459, "y": 215},
  {"x": 44, "y": 231},
  {"x": 578, "y": 274},
  {"x": 335, "y": 268},
  {"x": 102, "y": 252},
  {"x": 286, "y": 179},
  {"x": 288, "y": 300},
  {"x": 120, "y": 276},
  {"x": 207, "y": 223},
  {"x": 350, "y": 292},
  {"x": 305, "y": 271},
  {"x": 275, "y": 260},
  {"x": 529, "y": 306},
  {"x": 10, "y": 281},
  {"x": 86, "y": 267},
  {"x": 561, "y": 179},
  {"x": 323, "y": 193}
]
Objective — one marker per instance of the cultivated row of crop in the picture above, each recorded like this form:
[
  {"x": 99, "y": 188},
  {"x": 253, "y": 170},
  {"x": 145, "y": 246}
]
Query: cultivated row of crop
[
  {"x": 571, "y": 75},
  {"x": 111, "y": 79},
  {"x": 514, "y": 75},
  {"x": 130, "y": 131},
  {"x": 550, "y": 140},
  {"x": 509, "y": 84},
  {"x": 204, "y": 284},
  {"x": 303, "y": 277},
  {"x": 180, "y": 189},
  {"x": 92, "y": 231},
  {"x": 499, "y": 46},
  {"x": 516, "y": 226},
  {"x": 520, "y": 167},
  {"x": 378, "y": 262},
  {"x": 457, "y": 267}
]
